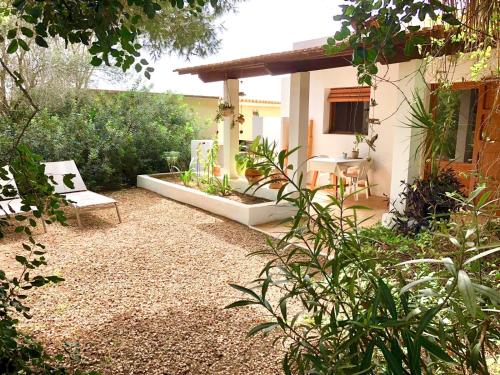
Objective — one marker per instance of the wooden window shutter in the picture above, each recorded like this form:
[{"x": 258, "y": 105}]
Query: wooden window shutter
[{"x": 349, "y": 94}]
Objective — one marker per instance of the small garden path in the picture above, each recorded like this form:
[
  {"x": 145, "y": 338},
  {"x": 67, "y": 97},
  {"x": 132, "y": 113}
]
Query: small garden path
[{"x": 147, "y": 296}]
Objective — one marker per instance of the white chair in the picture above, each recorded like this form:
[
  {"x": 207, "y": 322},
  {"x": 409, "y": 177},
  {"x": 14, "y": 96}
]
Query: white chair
[
  {"x": 79, "y": 197},
  {"x": 12, "y": 204},
  {"x": 359, "y": 178}
]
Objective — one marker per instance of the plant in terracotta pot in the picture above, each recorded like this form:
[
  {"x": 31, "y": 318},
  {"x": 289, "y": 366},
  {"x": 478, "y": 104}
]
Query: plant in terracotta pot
[
  {"x": 248, "y": 162},
  {"x": 359, "y": 138},
  {"x": 224, "y": 109},
  {"x": 212, "y": 155},
  {"x": 276, "y": 179}
]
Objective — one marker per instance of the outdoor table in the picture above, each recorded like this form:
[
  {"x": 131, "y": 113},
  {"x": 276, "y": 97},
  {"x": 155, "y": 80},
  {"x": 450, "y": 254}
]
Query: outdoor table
[{"x": 329, "y": 165}]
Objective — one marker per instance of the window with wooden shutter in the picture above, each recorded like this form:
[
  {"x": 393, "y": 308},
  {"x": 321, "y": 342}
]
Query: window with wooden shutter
[{"x": 349, "y": 108}]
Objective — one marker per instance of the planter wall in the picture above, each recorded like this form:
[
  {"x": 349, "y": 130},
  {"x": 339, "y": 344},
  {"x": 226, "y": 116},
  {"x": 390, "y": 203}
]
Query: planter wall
[{"x": 250, "y": 215}]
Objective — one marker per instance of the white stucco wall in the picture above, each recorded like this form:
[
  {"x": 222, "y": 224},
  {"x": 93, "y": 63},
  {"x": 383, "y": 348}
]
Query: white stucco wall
[
  {"x": 335, "y": 144},
  {"x": 394, "y": 157}
]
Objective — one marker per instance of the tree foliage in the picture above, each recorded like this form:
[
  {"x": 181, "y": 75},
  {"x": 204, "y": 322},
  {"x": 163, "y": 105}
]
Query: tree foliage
[
  {"x": 115, "y": 30},
  {"x": 112, "y": 136},
  {"x": 373, "y": 28}
]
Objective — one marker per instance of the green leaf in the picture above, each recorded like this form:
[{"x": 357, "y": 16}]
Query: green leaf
[
  {"x": 367, "y": 357},
  {"x": 21, "y": 259},
  {"x": 241, "y": 303},
  {"x": 481, "y": 255},
  {"x": 27, "y": 32},
  {"x": 96, "y": 61},
  {"x": 263, "y": 326},
  {"x": 413, "y": 284},
  {"x": 426, "y": 320},
  {"x": 12, "y": 33},
  {"x": 387, "y": 298},
  {"x": 450, "y": 19},
  {"x": 12, "y": 46},
  {"x": 426, "y": 260},
  {"x": 68, "y": 180},
  {"x": 283, "y": 308},
  {"x": 23, "y": 44},
  {"x": 434, "y": 349},
  {"x": 475, "y": 356},
  {"x": 492, "y": 294},
  {"x": 41, "y": 41},
  {"x": 245, "y": 290},
  {"x": 342, "y": 34},
  {"x": 286, "y": 365},
  {"x": 467, "y": 291},
  {"x": 393, "y": 363}
]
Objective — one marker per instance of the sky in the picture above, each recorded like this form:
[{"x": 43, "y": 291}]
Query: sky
[{"x": 259, "y": 27}]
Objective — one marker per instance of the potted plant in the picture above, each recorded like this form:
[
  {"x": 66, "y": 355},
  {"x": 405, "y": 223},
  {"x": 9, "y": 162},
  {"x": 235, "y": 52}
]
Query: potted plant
[
  {"x": 277, "y": 179},
  {"x": 224, "y": 109},
  {"x": 240, "y": 119},
  {"x": 248, "y": 162},
  {"x": 212, "y": 156},
  {"x": 359, "y": 138}
]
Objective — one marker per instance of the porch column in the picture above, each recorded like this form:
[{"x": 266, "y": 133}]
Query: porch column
[
  {"x": 298, "y": 122},
  {"x": 405, "y": 160},
  {"x": 231, "y": 135}
]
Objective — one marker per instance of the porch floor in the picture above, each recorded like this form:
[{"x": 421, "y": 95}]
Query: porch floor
[{"x": 378, "y": 206}]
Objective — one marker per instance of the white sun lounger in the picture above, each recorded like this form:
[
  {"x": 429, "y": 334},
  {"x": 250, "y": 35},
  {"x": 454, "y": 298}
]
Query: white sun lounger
[
  {"x": 12, "y": 205},
  {"x": 80, "y": 198}
]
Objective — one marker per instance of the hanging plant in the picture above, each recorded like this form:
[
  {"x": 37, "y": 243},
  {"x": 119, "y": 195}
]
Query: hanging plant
[
  {"x": 224, "y": 109},
  {"x": 240, "y": 119}
]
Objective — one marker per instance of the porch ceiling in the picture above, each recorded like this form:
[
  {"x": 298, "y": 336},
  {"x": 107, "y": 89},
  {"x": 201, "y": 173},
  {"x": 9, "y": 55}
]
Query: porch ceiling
[{"x": 294, "y": 61}]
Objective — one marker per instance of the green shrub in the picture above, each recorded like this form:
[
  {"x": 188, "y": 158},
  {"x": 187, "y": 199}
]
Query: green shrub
[
  {"x": 390, "y": 243},
  {"x": 338, "y": 309},
  {"x": 112, "y": 137},
  {"x": 427, "y": 200}
]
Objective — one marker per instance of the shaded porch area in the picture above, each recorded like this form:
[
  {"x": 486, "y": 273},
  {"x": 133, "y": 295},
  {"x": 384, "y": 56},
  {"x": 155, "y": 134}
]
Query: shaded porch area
[{"x": 377, "y": 206}]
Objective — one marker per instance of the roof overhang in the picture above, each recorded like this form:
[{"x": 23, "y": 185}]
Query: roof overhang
[{"x": 294, "y": 61}]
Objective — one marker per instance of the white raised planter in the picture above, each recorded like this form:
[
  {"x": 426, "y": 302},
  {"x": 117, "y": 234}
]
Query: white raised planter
[{"x": 248, "y": 214}]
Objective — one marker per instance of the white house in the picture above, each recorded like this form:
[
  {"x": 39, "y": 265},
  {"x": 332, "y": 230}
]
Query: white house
[{"x": 324, "y": 89}]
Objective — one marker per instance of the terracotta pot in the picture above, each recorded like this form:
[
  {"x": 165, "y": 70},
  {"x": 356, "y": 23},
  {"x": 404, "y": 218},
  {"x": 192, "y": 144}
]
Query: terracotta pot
[
  {"x": 354, "y": 154},
  {"x": 277, "y": 180},
  {"x": 240, "y": 119},
  {"x": 217, "y": 172},
  {"x": 227, "y": 112},
  {"x": 253, "y": 175}
]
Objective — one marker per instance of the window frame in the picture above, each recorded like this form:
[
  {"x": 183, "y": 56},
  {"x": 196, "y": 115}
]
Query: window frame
[{"x": 359, "y": 94}]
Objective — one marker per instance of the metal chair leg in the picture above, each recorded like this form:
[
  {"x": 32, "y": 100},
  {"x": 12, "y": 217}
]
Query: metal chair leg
[
  {"x": 118, "y": 213},
  {"x": 78, "y": 217}
]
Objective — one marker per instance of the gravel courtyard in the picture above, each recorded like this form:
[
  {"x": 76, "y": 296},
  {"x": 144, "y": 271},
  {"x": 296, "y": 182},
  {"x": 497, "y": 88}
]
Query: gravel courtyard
[{"x": 147, "y": 296}]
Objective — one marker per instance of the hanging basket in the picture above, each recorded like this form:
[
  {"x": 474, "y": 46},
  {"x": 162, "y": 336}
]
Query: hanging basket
[
  {"x": 227, "y": 111},
  {"x": 224, "y": 109},
  {"x": 240, "y": 119}
]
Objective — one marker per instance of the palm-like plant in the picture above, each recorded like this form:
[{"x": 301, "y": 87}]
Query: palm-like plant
[{"x": 435, "y": 132}]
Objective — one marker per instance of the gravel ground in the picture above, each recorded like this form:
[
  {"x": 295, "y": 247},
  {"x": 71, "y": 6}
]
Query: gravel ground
[{"x": 147, "y": 296}]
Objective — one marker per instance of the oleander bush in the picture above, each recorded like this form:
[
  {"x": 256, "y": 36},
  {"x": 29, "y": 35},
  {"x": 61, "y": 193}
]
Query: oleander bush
[
  {"x": 112, "y": 137},
  {"x": 346, "y": 300}
]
